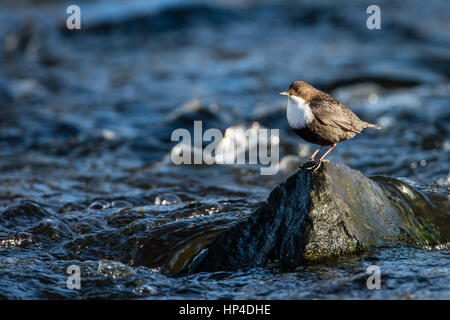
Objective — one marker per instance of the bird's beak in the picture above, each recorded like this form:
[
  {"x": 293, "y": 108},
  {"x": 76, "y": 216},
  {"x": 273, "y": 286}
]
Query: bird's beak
[{"x": 285, "y": 93}]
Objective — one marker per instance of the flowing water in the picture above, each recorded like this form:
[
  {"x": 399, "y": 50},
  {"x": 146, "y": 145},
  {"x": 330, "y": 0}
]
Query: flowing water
[{"x": 86, "y": 119}]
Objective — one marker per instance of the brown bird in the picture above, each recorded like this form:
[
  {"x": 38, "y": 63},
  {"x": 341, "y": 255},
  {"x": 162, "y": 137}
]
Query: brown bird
[{"x": 320, "y": 119}]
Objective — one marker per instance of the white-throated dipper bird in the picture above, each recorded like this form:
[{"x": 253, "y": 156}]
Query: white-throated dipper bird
[{"x": 320, "y": 119}]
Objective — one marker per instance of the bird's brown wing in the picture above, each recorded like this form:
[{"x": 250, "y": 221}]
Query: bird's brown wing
[{"x": 333, "y": 113}]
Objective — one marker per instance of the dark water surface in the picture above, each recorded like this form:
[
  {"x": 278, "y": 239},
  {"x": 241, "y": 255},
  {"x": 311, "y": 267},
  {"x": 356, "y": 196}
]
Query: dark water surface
[{"x": 86, "y": 118}]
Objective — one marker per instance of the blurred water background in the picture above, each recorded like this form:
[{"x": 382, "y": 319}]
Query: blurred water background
[{"x": 86, "y": 118}]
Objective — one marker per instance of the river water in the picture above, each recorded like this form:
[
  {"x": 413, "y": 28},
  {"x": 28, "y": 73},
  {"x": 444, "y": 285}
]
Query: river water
[{"x": 86, "y": 119}]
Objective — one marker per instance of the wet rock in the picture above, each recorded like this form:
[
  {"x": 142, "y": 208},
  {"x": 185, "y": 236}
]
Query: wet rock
[
  {"x": 23, "y": 215},
  {"x": 50, "y": 230},
  {"x": 172, "y": 245},
  {"x": 335, "y": 211},
  {"x": 419, "y": 205}
]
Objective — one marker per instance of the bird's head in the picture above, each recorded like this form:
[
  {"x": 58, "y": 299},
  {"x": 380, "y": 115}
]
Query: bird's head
[{"x": 301, "y": 89}]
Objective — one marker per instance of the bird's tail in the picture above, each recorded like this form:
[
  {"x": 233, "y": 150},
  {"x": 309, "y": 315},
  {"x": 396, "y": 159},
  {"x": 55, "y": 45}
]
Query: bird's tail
[{"x": 371, "y": 125}]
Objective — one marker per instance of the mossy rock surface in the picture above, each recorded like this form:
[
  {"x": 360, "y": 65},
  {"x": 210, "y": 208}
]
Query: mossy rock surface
[{"x": 316, "y": 215}]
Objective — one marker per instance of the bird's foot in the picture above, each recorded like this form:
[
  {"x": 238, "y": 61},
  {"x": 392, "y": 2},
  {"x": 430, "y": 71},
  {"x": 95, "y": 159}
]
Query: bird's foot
[
  {"x": 317, "y": 166},
  {"x": 310, "y": 165},
  {"x": 313, "y": 165}
]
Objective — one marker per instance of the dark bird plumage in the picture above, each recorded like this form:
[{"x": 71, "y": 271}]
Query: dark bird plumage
[{"x": 319, "y": 118}]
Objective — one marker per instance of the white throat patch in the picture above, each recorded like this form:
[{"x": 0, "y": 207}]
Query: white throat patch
[{"x": 299, "y": 114}]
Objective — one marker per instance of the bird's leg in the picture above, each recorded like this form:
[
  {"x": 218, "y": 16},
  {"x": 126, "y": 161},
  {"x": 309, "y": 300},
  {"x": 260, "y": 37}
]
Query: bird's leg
[
  {"x": 311, "y": 163},
  {"x": 322, "y": 158},
  {"x": 314, "y": 154}
]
